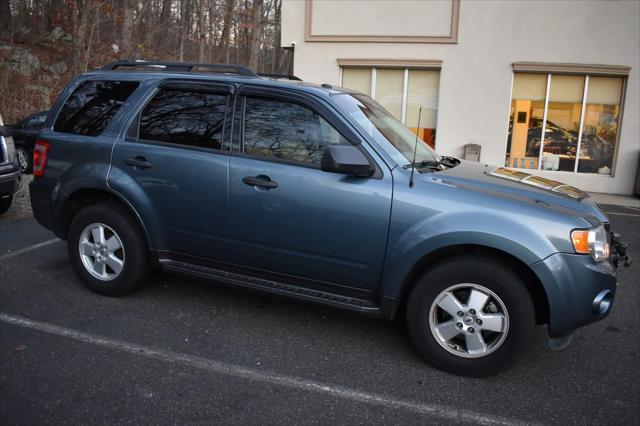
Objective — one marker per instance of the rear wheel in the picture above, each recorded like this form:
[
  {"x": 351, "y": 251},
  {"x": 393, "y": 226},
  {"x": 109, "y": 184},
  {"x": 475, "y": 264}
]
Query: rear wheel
[
  {"x": 107, "y": 249},
  {"x": 471, "y": 317}
]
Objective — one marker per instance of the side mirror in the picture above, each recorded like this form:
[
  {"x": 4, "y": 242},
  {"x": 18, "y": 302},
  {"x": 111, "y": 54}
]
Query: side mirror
[{"x": 346, "y": 159}]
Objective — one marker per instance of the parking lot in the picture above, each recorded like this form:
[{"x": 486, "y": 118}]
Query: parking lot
[{"x": 183, "y": 350}]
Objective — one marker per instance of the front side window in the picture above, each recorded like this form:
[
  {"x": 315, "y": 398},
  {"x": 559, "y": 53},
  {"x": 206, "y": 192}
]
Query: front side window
[
  {"x": 286, "y": 131},
  {"x": 92, "y": 106},
  {"x": 564, "y": 122},
  {"x": 385, "y": 129},
  {"x": 184, "y": 117}
]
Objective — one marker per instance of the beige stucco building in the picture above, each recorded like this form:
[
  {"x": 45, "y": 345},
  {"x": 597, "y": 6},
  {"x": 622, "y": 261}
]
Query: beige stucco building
[{"x": 548, "y": 86}]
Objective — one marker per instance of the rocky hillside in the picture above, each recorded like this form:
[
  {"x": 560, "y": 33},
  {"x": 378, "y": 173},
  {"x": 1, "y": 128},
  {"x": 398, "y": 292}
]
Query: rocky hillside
[{"x": 33, "y": 72}]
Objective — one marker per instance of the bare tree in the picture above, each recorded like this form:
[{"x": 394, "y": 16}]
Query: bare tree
[{"x": 256, "y": 34}]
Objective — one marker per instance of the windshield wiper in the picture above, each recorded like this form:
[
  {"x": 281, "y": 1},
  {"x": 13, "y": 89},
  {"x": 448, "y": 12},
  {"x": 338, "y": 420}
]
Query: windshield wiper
[
  {"x": 425, "y": 164},
  {"x": 434, "y": 164}
]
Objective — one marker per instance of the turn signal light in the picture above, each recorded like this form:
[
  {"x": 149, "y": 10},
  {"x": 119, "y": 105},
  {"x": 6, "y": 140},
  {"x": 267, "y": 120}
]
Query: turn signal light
[
  {"x": 40, "y": 154},
  {"x": 580, "y": 238}
]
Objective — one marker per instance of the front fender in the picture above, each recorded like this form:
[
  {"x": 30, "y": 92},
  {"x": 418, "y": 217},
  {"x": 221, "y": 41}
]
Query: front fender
[{"x": 443, "y": 230}]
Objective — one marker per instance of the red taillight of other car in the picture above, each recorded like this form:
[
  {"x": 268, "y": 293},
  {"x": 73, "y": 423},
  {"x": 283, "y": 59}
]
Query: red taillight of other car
[{"x": 40, "y": 154}]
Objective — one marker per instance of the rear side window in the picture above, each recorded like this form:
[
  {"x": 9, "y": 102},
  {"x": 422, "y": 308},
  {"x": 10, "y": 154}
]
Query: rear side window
[
  {"x": 92, "y": 106},
  {"x": 184, "y": 117}
]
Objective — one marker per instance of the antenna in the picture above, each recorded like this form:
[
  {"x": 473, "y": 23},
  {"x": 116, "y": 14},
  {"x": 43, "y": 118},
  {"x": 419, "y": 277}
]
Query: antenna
[{"x": 415, "y": 148}]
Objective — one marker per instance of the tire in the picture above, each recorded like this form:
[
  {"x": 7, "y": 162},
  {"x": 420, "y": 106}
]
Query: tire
[
  {"x": 5, "y": 204},
  {"x": 115, "y": 271},
  {"x": 507, "y": 307},
  {"x": 25, "y": 160}
]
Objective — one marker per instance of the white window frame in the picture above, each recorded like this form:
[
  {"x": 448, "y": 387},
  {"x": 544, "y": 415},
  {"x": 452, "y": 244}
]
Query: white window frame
[
  {"x": 433, "y": 66},
  {"x": 585, "y": 71}
]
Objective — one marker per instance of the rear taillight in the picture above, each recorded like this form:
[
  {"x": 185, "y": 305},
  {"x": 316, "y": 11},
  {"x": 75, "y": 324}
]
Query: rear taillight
[{"x": 40, "y": 154}]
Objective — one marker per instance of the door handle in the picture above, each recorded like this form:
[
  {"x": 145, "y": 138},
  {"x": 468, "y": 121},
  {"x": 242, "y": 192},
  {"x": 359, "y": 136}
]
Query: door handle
[
  {"x": 261, "y": 181},
  {"x": 138, "y": 162}
]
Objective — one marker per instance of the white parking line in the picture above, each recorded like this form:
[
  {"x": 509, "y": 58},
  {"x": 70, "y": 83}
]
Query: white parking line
[
  {"x": 623, "y": 214},
  {"x": 435, "y": 410},
  {"x": 28, "y": 249}
]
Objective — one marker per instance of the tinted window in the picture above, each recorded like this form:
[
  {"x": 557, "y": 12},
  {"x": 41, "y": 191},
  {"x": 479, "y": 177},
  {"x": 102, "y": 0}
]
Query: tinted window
[
  {"x": 35, "y": 121},
  {"x": 184, "y": 117},
  {"x": 92, "y": 106},
  {"x": 286, "y": 131}
]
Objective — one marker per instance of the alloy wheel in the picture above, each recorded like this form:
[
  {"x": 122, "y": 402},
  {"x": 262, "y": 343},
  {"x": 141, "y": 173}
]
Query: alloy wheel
[
  {"x": 101, "y": 251},
  {"x": 23, "y": 159},
  {"x": 469, "y": 320}
]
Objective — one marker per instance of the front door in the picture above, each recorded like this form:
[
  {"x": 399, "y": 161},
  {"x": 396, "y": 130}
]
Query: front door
[
  {"x": 288, "y": 216},
  {"x": 174, "y": 154}
]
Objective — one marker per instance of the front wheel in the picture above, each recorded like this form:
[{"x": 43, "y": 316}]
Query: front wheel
[
  {"x": 107, "y": 249},
  {"x": 472, "y": 317}
]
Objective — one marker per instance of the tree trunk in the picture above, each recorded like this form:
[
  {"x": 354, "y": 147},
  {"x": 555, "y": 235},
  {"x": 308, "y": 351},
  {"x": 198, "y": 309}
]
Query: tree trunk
[
  {"x": 183, "y": 28},
  {"x": 225, "y": 37},
  {"x": 79, "y": 29},
  {"x": 256, "y": 35},
  {"x": 5, "y": 19},
  {"x": 202, "y": 31},
  {"x": 277, "y": 39},
  {"x": 165, "y": 15},
  {"x": 127, "y": 28}
]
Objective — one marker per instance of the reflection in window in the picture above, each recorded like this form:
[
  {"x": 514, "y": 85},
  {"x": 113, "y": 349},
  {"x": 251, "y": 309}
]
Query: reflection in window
[
  {"x": 389, "y": 88},
  {"x": 600, "y": 127},
  {"x": 357, "y": 79},
  {"x": 286, "y": 131},
  {"x": 568, "y": 129},
  {"x": 184, "y": 117},
  {"x": 525, "y": 122},
  {"x": 563, "y": 123},
  {"x": 92, "y": 106},
  {"x": 422, "y": 87}
]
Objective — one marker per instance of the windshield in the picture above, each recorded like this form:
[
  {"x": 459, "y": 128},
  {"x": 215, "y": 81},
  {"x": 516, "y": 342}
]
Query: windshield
[{"x": 388, "y": 132}]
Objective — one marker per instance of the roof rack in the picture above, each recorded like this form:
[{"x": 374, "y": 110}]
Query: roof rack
[
  {"x": 183, "y": 66},
  {"x": 283, "y": 76}
]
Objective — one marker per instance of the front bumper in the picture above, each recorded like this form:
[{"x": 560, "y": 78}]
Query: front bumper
[{"x": 572, "y": 283}]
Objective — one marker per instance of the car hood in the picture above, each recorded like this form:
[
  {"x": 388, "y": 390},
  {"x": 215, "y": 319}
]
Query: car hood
[{"x": 520, "y": 186}]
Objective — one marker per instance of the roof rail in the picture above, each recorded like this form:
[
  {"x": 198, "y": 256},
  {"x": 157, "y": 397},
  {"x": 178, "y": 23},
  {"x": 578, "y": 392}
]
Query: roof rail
[
  {"x": 283, "y": 76},
  {"x": 183, "y": 66}
]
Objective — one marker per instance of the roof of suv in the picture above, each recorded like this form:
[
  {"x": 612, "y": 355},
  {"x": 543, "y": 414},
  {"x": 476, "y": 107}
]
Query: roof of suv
[{"x": 229, "y": 74}]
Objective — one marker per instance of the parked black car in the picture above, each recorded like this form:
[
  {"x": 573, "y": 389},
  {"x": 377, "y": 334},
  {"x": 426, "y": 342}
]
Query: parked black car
[
  {"x": 9, "y": 170},
  {"x": 25, "y": 133}
]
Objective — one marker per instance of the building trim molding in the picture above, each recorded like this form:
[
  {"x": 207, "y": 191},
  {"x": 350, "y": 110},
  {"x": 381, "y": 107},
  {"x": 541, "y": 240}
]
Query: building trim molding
[
  {"x": 435, "y": 64},
  {"x": 452, "y": 38},
  {"x": 564, "y": 68}
]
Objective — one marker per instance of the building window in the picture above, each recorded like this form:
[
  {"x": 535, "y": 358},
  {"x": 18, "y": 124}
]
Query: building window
[
  {"x": 564, "y": 122},
  {"x": 401, "y": 91}
]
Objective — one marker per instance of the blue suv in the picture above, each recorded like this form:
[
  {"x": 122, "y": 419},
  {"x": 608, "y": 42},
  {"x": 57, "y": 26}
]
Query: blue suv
[{"x": 317, "y": 193}]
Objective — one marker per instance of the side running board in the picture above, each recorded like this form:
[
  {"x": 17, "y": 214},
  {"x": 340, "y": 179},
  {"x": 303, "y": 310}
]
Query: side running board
[{"x": 359, "y": 305}]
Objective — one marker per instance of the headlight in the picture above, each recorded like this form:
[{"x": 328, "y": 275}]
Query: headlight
[{"x": 592, "y": 241}]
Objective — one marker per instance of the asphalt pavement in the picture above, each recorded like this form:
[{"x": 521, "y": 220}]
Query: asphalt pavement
[{"x": 183, "y": 350}]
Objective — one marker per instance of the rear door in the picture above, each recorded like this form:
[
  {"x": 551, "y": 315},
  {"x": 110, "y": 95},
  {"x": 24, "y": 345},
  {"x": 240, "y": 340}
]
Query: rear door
[
  {"x": 172, "y": 167},
  {"x": 287, "y": 215}
]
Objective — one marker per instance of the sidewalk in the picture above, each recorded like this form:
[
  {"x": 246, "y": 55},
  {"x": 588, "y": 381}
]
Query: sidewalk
[{"x": 617, "y": 200}]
